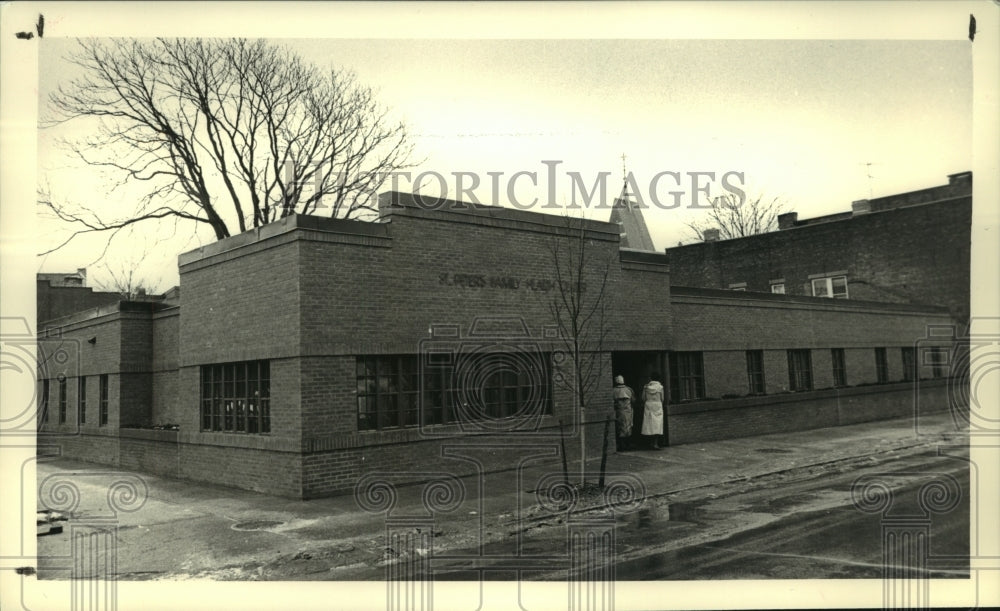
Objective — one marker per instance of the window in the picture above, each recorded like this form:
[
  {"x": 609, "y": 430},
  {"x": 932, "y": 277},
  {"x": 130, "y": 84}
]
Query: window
[
  {"x": 236, "y": 397},
  {"x": 62, "y": 400},
  {"x": 799, "y": 370},
  {"x": 834, "y": 286},
  {"x": 936, "y": 357},
  {"x": 778, "y": 288},
  {"x": 43, "y": 404},
  {"x": 909, "y": 364},
  {"x": 388, "y": 390},
  {"x": 81, "y": 397},
  {"x": 881, "y": 366},
  {"x": 755, "y": 371},
  {"x": 687, "y": 376},
  {"x": 839, "y": 368},
  {"x": 102, "y": 418}
]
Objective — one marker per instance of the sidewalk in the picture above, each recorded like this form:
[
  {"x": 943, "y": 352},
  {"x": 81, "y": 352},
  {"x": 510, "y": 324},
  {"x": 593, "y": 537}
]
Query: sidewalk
[{"x": 202, "y": 530}]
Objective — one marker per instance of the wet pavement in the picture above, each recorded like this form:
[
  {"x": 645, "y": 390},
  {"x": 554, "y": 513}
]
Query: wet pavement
[{"x": 182, "y": 529}]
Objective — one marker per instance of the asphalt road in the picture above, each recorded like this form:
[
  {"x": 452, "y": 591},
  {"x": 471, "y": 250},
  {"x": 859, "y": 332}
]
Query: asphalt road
[
  {"x": 791, "y": 526},
  {"x": 812, "y": 539}
]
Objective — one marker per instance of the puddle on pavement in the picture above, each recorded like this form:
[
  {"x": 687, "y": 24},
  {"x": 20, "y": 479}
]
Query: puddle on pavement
[
  {"x": 256, "y": 525},
  {"x": 781, "y": 504},
  {"x": 692, "y": 513}
]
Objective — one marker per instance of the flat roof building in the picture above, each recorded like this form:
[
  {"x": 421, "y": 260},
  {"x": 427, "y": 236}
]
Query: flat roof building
[{"x": 306, "y": 353}]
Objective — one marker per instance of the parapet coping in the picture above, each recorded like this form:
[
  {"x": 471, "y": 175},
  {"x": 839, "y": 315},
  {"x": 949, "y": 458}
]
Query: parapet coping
[
  {"x": 122, "y": 307},
  {"x": 403, "y": 204},
  {"x": 824, "y": 220},
  {"x": 829, "y": 303}
]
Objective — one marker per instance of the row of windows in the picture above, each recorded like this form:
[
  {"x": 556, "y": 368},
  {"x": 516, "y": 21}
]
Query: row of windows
[
  {"x": 687, "y": 373},
  {"x": 480, "y": 387},
  {"x": 81, "y": 399},
  {"x": 235, "y": 397},
  {"x": 832, "y": 286}
]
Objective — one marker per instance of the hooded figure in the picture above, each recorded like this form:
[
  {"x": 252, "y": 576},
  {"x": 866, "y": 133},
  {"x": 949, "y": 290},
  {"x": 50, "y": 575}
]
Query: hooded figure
[
  {"x": 652, "y": 402},
  {"x": 623, "y": 398}
]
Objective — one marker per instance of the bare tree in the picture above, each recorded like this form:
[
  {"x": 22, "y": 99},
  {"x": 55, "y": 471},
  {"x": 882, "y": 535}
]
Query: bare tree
[
  {"x": 229, "y": 133},
  {"x": 579, "y": 309},
  {"x": 739, "y": 216},
  {"x": 126, "y": 281}
]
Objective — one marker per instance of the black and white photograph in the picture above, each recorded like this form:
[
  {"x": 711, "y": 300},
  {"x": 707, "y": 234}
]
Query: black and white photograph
[{"x": 544, "y": 305}]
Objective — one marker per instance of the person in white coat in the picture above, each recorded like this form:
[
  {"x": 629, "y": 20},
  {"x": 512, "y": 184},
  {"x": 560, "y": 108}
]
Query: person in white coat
[{"x": 652, "y": 404}]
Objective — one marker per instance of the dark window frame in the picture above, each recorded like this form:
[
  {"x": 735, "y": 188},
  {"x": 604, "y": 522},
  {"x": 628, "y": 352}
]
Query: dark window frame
[
  {"x": 937, "y": 357},
  {"x": 909, "y": 356},
  {"x": 389, "y": 388},
  {"x": 81, "y": 399},
  {"x": 756, "y": 380},
  {"x": 44, "y": 403},
  {"x": 881, "y": 366},
  {"x": 687, "y": 376},
  {"x": 102, "y": 419},
  {"x": 839, "y": 363},
  {"x": 235, "y": 397},
  {"x": 800, "y": 370},
  {"x": 62, "y": 400}
]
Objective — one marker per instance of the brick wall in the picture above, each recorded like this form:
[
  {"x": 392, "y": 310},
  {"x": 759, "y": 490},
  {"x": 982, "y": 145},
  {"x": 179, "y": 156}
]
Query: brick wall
[
  {"x": 710, "y": 420},
  {"x": 58, "y": 301},
  {"x": 887, "y": 256},
  {"x": 166, "y": 407}
]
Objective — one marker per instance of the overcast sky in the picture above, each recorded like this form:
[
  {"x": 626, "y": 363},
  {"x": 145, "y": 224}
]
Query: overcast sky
[{"x": 800, "y": 119}]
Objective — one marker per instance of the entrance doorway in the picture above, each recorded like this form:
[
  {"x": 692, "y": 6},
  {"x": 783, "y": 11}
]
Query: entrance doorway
[{"x": 636, "y": 368}]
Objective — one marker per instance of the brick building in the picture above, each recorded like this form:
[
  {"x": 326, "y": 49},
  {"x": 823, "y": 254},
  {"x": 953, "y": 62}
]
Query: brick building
[
  {"x": 904, "y": 248},
  {"x": 307, "y": 353}
]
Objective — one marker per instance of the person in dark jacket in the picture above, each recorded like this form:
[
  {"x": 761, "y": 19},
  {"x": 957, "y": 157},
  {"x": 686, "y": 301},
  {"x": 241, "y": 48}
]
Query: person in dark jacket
[{"x": 623, "y": 398}]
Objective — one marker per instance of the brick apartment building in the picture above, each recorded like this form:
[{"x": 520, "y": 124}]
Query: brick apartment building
[
  {"x": 904, "y": 248},
  {"x": 302, "y": 355}
]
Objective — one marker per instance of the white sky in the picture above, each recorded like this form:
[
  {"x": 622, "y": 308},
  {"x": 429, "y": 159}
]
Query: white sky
[
  {"x": 890, "y": 83},
  {"x": 799, "y": 119}
]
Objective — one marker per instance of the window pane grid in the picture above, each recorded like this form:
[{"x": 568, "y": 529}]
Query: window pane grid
[
  {"x": 62, "y": 400},
  {"x": 799, "y": 370},
  {"x": 103, "y": 400},
  {"x": 839, "y": 368},
  {"x": 389, "y": 392},
  {"x": 687, "y": 379},
  {"x": 235, "y": 397},
  {"x": 755, "y": 371},
  {"x": 881, "y": 366},
  {"x": 82, "y": 399}
]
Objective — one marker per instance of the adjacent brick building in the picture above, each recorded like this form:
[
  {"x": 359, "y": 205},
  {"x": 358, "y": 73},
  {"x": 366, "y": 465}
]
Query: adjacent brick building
[
  {"x": 904, "y": 248},
  {"x": 304, "y": 354}
]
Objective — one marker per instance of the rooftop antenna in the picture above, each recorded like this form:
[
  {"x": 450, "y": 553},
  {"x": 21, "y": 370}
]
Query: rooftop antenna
[{"x": 868, "y": 171}]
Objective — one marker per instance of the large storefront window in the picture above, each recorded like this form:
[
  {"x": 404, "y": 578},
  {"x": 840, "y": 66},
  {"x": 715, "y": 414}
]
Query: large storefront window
[
  {"x": 389, "y": 387},
  {"x": 235, "y": 397}
]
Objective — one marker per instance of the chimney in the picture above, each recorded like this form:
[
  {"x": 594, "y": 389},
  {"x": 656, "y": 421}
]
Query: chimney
[
  {"x": 862, "y": 206},
  {"x": 711, "y": 235},
  {"x": 788, "y": 220},
  {"x": 83, "y": 274}
]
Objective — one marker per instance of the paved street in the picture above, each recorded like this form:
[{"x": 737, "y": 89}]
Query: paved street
[{"x": 776, "y": 506}]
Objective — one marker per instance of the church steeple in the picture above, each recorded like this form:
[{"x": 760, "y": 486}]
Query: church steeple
[{"x": 628, "y": 215}]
